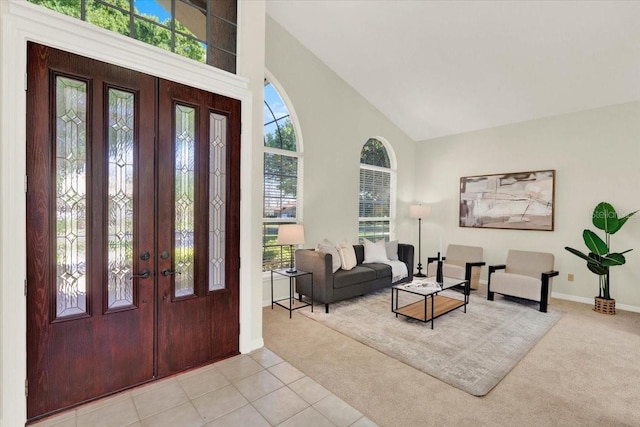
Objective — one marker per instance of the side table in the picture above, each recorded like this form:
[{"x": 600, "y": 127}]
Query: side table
[{"x": 293, "y": 305}]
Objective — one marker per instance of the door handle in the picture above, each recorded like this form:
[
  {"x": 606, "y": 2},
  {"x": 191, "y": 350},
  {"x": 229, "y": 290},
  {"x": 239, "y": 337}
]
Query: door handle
[
  {"x": 167, "y": 272},
  {"x": 144, "y": 274}
]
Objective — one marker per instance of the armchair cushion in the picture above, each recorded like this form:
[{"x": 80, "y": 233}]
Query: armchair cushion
[
  {"x": 448, "y": 270},
  {"x": 455, "y": 263},
  {"x": 516, "y": 285},
  {"x": 461, "y": 254},
  {"x": 526, "y": 275},
  {"x": 529, "y": 263}
]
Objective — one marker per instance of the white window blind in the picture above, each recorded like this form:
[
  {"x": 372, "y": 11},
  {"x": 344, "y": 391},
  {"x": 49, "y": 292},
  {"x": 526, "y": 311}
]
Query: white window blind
[{"x": 375, "y": 193}]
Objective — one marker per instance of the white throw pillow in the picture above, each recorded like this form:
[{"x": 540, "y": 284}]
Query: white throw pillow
[
  {"x": 347, "y": 255},
  {"x": 326, "y": 247},
  {"x": 392, "y": 250},
  {"x": 375, "y": 252}
]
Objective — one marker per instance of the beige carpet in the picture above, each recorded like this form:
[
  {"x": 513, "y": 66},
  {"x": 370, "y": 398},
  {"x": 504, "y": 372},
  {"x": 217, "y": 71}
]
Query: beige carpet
[
  {"x": 472, "y": 351},
  {"x": 584, "y": 372}
]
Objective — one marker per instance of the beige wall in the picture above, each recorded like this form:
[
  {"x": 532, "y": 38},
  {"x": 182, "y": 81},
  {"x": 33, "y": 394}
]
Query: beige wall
[
  {"x": 595, "y": 154},
  {"x": 335, "y": 122}
]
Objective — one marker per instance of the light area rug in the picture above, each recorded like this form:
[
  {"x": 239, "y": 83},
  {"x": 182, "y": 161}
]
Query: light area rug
[{"x": 472, "y": 351}]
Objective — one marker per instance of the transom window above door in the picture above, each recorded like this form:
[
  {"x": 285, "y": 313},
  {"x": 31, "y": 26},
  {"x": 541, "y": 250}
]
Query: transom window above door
[{"x": 202, "y": 30}]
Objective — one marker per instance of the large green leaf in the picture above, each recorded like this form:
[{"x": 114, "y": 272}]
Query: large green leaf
[
  {"x": 595, "y": 243},
  {"x": 621, "y": 222},
  {"x": 611, "y": 260},
  {"x": 578, "y": 253},
  {"x": 597, "y": 269},
  {"x": 605, "y": 218}
]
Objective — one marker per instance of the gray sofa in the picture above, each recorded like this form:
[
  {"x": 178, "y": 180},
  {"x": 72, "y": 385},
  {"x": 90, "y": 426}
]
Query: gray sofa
[{"x": 329, "y": 287}]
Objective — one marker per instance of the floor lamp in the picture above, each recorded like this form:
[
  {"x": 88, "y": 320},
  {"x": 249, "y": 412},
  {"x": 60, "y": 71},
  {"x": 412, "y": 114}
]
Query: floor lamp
[
  {"x": 419, "y": 211},
  {"x": 291, "y": 234}
]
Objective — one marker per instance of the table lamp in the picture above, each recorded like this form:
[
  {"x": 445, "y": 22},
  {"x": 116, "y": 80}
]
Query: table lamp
[{"x": 291, "y": 234}]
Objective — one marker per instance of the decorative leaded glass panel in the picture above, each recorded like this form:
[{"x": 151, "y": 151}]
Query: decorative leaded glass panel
[
  {"x": 184, "y": 200},
  {"x": 217, "y": 199},
  {"x": 120, "y": 202},
  {"x": 71, "y": 197}
]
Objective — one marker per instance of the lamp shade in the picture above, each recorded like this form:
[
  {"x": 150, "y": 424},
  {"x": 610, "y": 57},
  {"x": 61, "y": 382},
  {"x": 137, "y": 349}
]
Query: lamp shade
[
  {"x": 291, "y": 234},
  {"x": 419, "y": 211}
]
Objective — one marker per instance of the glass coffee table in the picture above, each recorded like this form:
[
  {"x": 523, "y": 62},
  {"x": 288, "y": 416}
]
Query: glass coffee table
[{"x": 430, "y": 303}]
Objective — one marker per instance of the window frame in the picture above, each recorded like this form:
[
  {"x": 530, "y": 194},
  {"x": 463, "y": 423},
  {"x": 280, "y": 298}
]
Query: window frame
[{"x": 299, "y": 156}]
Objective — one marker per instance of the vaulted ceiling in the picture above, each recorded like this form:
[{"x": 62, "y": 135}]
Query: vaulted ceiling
[{"x": 438, "y": 68}]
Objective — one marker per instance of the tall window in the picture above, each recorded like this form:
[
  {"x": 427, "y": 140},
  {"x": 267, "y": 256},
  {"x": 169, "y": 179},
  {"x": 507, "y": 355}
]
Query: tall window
[
  {"x": 376, "y": 199},
  {"x": 282, "y": 165},
  {"x": 203, "y": 30}
]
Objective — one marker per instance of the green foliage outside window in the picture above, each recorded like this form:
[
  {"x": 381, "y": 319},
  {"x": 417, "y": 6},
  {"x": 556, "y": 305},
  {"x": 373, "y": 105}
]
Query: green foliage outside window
[
  {"x": 116, "y": 15},
  {"x": 280, "y": 179}
]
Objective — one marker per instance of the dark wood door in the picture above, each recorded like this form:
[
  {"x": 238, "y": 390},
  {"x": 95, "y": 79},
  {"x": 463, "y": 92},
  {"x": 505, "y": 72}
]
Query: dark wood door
[
  {"x": 108, "y": 225},
  {"x": 198, "y": 232}
]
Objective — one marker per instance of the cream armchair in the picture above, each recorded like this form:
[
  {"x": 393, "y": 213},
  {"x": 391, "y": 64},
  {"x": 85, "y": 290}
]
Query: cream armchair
[
  {"x": 526, "y": 275},
  {"x": 460, "y": 262}
]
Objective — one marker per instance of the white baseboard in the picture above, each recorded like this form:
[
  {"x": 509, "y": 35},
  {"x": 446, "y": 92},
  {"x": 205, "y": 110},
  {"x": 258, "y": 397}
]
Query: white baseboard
[
  {"x": 253, "y": 345},
  {"x": 589, "y": 301}
]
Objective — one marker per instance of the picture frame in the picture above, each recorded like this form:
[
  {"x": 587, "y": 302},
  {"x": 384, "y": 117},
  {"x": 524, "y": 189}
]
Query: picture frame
[{"x": 513, "y": 201}]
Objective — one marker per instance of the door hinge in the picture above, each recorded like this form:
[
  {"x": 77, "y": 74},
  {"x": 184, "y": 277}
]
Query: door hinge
[
  {"x": 25, "y": 287},
  {"x": 25, "y": 81},
  {"x": 26, "y": 184},
  {"x": 26, "y": 388}
]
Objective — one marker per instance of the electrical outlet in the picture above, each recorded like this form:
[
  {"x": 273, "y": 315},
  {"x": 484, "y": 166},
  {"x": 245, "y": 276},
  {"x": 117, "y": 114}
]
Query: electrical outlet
[{"x": 570, "y": 277}]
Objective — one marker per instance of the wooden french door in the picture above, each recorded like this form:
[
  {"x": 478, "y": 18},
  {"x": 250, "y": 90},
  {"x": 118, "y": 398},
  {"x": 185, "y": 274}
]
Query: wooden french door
[{"x": 132, "y": 228}]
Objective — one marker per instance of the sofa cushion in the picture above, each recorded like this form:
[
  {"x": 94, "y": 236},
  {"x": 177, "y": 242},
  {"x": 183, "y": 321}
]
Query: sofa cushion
[
  {"x": 374, "y": 252},
  {"x": 358, "y": 274},
  {"x": 382, "y": 270},
  {"x": 326, "y": 247},
  {"x": 347, "y": 255}
]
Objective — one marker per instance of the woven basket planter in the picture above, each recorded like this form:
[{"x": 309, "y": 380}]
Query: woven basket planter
[{"x": 605, "y": 306}]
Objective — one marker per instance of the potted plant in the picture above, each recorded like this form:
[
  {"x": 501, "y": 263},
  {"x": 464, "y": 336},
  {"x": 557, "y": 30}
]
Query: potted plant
[{"x": 600, "y": 258}]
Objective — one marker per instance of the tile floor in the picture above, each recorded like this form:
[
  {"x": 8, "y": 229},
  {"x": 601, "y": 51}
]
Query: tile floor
[{"x": 253, "y": 390}]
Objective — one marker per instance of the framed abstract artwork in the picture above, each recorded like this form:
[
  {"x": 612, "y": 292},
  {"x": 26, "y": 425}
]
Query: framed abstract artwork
[{"x": 517, "y": 201}]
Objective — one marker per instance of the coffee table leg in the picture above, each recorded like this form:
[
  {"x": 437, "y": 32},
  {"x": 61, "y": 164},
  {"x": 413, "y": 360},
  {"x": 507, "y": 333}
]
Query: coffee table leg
[{"x": 432, "y": 313}]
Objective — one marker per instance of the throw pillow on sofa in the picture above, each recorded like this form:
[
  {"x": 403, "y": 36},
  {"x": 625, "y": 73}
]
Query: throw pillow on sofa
[
  {"x": 326, "y": 247},
  {"x": 347, "y": 255},
  {"x": 375, "y": 252}
]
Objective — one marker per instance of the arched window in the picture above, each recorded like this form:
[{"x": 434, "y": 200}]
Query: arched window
[
  {"x": 377, "y": 198},
  {"x": 282, "y": 178}
]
